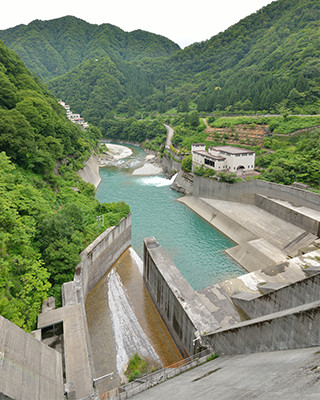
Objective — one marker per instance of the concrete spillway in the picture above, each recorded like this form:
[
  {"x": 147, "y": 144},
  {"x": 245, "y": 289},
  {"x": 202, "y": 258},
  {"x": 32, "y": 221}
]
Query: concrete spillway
[{"x": 122, "y": 321}]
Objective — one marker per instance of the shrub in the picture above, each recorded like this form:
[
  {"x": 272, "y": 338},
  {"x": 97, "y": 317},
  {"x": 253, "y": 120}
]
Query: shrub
[
  {"x": 136, "y": 367},
  {"x": 229, "y": 178},
  {"x": 186, "y": 164}
]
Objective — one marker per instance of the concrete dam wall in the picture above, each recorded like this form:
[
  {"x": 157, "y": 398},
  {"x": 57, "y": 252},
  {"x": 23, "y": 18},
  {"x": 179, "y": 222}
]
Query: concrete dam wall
[
  {"x": 101, "y": 254},
  {"x": 290, "y": 329},
  {"x": 245, "y": 191}
]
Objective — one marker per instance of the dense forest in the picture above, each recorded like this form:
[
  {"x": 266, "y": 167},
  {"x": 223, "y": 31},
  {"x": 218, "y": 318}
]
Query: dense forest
[
  {"x": 52, "y": 48},
  {"x": 47, "y": 212},
  {"x": 268, "y": 62}
]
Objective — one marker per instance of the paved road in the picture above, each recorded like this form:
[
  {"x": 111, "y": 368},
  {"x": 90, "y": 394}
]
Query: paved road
[
  {"x": 170, "y": 131},
  {"x": 285, "y": 375}
]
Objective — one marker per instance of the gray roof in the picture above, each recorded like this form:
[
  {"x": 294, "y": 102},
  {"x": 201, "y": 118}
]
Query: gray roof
[
  {"x": 206, "y": 154},
  {"x": 232, "y": 150}
]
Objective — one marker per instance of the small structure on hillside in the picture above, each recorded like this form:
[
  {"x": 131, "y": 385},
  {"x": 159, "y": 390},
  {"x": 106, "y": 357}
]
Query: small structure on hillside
[
  {"x": 222, "y": 158},
  {"x": 75, "y": 118}
]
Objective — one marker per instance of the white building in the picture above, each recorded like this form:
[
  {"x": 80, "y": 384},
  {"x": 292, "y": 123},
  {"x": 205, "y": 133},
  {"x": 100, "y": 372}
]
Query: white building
[
  {"x": 223, "y": 158},
  {"x": 75, "y": 118}
]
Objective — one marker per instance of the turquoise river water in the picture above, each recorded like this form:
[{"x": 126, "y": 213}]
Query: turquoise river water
[{"x": 194, "y": 246}]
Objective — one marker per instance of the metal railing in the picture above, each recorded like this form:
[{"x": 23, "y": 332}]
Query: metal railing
[{"x": 147, "y": 381}]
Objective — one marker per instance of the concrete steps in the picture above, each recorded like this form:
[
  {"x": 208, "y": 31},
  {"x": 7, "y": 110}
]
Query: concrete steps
[{"x": 263, "y": 239}]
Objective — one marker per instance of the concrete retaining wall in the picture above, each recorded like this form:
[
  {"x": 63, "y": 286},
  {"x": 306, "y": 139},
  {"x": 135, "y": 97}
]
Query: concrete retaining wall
[
  {"x": 29, "y": 370},
  {"x": 244, "y": 192},
  {"x": 101, "y": 254},
  {"x": 169, "y": 165},
  {"x": 183, "y": 183},
  {"x": 291, "y": 329},
  {"x": 296, "y": 294},
  {"x": 178, "y": 304},
  {"x": 90, "y": 172},
  {"x": 292, "y": 215}
]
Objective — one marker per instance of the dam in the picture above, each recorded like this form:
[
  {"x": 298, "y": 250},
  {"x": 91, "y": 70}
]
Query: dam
[
  {"x": 193, "y": 244},
  {"x": 272, "y": 311}
]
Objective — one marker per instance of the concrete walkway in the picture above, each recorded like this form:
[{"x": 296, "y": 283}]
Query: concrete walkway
[{"x": 285, "y": 375}]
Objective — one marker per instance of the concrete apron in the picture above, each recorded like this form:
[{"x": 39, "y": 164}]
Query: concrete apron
[{"x": 122, "y": 321}]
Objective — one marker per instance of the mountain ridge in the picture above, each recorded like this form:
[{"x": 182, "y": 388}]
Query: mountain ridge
[
  {"x": 51, "y": 48},
  {"x": 268, "y": 61}
]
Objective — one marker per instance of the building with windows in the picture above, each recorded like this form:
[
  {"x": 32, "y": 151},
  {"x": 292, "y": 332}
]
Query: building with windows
[
  {"x": 223, "y": 158},
  {"x": 75, "y": 118}
]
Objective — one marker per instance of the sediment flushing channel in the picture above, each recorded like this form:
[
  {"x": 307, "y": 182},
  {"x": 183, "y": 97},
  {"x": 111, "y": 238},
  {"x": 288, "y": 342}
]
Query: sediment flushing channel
[{"x": 121, "y": 317}]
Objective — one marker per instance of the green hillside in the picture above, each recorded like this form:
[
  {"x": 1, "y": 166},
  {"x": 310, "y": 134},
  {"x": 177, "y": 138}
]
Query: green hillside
[
  {"x": 269, "y": 58},
  {"x": 52, "y": 48},
  {"x": 47, "y": 213},
  {"x": 268, "y": 62}
]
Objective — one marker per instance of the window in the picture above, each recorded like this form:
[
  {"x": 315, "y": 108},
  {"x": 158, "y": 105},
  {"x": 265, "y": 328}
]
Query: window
[{"x": 209, "y": 162}]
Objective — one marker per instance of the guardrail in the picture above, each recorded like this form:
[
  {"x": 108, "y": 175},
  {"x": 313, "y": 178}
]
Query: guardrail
[{"x": 146, "y": 382}]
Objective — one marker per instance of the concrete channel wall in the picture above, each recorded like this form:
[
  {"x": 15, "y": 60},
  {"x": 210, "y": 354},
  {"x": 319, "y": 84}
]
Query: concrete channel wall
[
  {"x": 290, "y": 329},
  {"x": 183, "y": 183},
  {"x": 178, "y": 304},
  {"x": 96, "y": 260},
  {"x": 244, "y": 192},
  {"x": 294, "y": 215},
  {"x": 90, "y": 172},
  {"x": 101, "y": 254},
  {"x": 29, "y": 370},
  {"x": 170, "y": 165},
  {"x": 290, "y": 296}
]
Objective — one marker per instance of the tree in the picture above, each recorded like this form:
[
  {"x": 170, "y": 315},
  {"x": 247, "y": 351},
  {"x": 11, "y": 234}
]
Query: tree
[{"x": 186, "y": 163}]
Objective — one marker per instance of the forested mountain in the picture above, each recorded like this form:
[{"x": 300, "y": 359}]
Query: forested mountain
[
  {"x": 47, "y": 213},
  {"x": 52, "y": 48},
  {"x": 268, "y": 62},
  {"x": 268, "y": 58}
]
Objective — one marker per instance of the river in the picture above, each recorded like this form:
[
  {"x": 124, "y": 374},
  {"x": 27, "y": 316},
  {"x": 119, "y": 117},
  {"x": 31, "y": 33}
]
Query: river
[
  {"x": 122, "y": 319},
  {"x": 194, "y": 246}
]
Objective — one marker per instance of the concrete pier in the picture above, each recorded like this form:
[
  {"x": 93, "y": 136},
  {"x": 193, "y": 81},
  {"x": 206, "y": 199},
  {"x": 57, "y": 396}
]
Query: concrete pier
[{"x": 181, "y": 308}]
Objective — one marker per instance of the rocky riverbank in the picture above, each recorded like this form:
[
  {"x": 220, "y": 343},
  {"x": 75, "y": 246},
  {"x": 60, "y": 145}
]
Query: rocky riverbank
[{"x": 116, "y": 155}]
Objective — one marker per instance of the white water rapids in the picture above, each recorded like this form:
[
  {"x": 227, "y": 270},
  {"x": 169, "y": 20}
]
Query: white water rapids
[{"x": 128, "y": 334}]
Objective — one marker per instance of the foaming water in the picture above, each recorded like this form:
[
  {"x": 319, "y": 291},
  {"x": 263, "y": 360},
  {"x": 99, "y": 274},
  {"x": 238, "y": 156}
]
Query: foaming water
[
  {"x": 194, "y": 246},
  {"x": 157, "y": 181},
  {"x": 124, "y": 320}
]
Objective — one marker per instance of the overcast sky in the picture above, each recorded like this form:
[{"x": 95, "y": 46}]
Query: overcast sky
[{"x": 182, "y": 21}]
